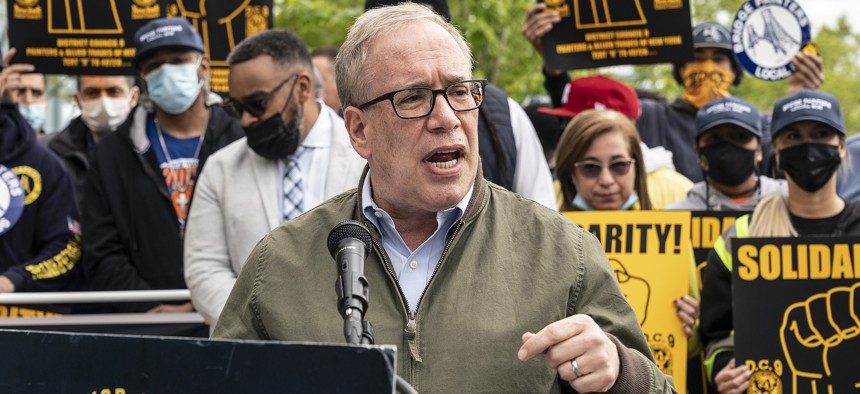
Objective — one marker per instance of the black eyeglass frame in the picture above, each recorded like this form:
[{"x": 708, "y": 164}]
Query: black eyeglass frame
[
  {"x": 435, "y": 92},
  {"x": 239, "y": 108}
]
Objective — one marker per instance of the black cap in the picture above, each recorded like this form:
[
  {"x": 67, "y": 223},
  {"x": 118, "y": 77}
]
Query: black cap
[
  {"x": 165, "y": 33},
  {"x": 807, "y": 105},
  {"x": 728, "y": 110},
  {"x": 712, "y": 35}
]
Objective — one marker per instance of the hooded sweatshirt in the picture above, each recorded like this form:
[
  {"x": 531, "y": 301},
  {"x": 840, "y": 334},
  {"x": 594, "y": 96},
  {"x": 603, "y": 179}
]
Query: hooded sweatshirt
[
  {"x": 39, "y": 249},
  {"x": 703, "y": 197}
]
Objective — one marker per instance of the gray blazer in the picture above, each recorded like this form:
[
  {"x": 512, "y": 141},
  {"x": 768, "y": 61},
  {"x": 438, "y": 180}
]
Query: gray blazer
[{"x": 236, "y": 203}]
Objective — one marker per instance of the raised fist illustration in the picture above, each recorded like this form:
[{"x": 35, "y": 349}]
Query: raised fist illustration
[
  {"x": 819, "y": 338},
  {"x": 635, "y": 289}
]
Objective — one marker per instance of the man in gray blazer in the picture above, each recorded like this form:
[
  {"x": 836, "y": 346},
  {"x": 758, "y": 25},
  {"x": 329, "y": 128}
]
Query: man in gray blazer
[{"x": 296, "y": 155}]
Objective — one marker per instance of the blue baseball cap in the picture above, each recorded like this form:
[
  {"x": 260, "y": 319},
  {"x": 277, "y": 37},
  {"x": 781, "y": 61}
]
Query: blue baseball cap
[
  {"x": 728, "y": 110},
  {"x": 165, "y": 33},
  {"x": 712, "y": 35},
  {"x": 807, "y": 105}
]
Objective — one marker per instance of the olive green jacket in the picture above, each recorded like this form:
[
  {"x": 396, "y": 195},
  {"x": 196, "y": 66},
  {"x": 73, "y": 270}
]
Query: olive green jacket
[{"x": 510, "y": 266}]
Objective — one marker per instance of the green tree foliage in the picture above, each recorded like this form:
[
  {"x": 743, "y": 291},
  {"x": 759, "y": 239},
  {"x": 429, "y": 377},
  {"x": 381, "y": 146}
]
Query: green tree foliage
[{"x": 494, "y": 31}]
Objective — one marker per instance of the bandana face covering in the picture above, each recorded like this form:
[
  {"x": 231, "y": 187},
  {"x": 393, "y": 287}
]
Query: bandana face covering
[{"x": 706, "y": 81}]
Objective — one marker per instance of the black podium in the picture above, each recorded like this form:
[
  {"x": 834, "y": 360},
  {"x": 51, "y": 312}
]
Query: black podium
[{"x": 50, "y": 362}]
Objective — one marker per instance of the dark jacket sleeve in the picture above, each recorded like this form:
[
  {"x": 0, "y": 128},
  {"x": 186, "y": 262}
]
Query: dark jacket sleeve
[
  {"x": 58, "y": 247},
  {"x": 554, "y": 86},
  {"x": 106, "y": 260},
  {"x": 716, "y": 309}
]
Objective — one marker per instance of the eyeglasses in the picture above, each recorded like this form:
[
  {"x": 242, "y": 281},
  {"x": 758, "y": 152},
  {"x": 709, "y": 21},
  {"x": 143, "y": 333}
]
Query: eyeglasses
[
  {"x": 419, "y": 102},
  {"x": 592, "y": 169},
  {"x": 256, "y": 106}
]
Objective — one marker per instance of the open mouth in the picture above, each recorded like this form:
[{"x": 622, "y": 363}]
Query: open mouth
[{"x": 445, "y": 159}]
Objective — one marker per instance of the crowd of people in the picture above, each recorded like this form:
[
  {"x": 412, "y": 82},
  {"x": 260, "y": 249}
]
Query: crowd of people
[{"x": 162, "y": 184}]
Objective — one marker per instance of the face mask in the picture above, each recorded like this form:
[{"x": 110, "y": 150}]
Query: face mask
[
  {"x": 34, "y": 114},
  {"x": 274, "y": 140},
  {"x": 810, "y": 165},
  {"x": 706, "y": 81},
  {"x": 727, "y": 163},
  {"x": 580, "y": 203},
  {"x": 174, "y": 87},
  {"x": 105, "y": 114}
]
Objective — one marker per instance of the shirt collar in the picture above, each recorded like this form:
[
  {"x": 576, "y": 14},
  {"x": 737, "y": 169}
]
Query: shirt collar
[{"x": 319, "y": 135}]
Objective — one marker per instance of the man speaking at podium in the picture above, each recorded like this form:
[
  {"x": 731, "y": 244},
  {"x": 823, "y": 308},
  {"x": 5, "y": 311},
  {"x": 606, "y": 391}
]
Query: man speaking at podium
[{"x": 480, "y": 289}]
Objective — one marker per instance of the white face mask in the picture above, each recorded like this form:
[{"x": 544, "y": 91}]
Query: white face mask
[{"x": 105, "y": 114}]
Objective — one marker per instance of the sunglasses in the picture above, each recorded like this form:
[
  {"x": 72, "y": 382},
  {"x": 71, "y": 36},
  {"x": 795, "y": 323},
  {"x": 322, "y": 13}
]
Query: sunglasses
[
  {"x": 593, "y": 169},
  {"x": 255, "y": 106}
]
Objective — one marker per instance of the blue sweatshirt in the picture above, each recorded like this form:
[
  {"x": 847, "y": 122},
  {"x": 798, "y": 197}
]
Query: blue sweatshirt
[{"x": 39, "y": 247}]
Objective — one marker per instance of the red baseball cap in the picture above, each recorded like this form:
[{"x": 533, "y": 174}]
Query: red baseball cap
[{"x": 597, "y": 92}]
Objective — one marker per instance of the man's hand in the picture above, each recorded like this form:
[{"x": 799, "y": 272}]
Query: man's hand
[
  {"x": 732, "y": 380},
  {"x": 10, "y": 78},
  {"x": 6, "y": 285},
  {"x": 687, "y": 309},
  {"x": 808, "y": 74},
  {"x": 170, "y": 308},
  {"x": 577, "y": 338},
  {"x": 538, "y": 22}
]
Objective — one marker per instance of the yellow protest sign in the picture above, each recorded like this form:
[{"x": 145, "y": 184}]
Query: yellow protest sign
[{"x": 650, "y": 254}]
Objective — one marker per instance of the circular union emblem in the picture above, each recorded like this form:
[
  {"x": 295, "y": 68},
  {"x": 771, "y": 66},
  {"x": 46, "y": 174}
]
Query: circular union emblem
[
  {"x": 662, "y": 356},
  {"x": 31, "y": 181},
  {"x": 11, "y": 199},
  {"x": 765, "y": 37},
  {"x": 764, "y": 382}
]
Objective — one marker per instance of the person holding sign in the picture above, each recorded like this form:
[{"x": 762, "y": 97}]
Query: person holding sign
[
  {"x": 728, "y": 143},
  {"x": 809, "y": 140},
  {"x": 141, "y": 180},
  {"x": 449, "y": 279},
  {"x": 708, "y": 76}
]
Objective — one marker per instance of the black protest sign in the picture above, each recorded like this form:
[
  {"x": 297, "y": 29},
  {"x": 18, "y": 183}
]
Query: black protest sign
[
  {"x": 796, "y": 303},
  {"x": 705, "y": 229},
  {"x": 607, "y": 33},
  {"x": 96, "y": 37}
]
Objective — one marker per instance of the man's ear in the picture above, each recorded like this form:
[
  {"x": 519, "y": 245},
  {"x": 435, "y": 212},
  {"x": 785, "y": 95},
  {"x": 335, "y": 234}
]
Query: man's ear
[
  {"x": 135, "y": 95},
  {"x": 356, "y": 126},
  {"x": 305, "y": 87}
]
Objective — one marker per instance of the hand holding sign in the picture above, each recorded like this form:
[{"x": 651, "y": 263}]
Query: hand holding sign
[
  {"x": 10, "y": 77},
  {"x": 808, "y": 72},
  {"x": 818, "y": 330}
]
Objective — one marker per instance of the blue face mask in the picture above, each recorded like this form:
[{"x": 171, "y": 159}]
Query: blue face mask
[
  {"x": 580, "y": 203},
  {"x": 174, "y": 87},
  {"x": 34, "y": 114}
]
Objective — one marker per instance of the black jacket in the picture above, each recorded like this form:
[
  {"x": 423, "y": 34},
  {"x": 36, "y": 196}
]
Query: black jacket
[
  {"x": 39, "y": 250},
  {"x": 132, "y": 237},
  {"x": 71, "y": 146}
]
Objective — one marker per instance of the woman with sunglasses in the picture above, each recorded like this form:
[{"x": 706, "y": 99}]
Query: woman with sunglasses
[
  {"x": 809, "y": 141},
  {"x": 599, "y": 164}
]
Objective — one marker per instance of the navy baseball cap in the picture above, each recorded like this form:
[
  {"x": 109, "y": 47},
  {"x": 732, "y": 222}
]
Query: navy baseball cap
[
  {"x": 807, "y": 105},
  {"x": 712, "y": 35},
  {"x": 728, "y": 110},
  {"x": 165, "y": 33}
]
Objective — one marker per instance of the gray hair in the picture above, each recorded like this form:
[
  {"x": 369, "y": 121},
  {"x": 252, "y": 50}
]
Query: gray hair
[{"x": 350, "y": 61}]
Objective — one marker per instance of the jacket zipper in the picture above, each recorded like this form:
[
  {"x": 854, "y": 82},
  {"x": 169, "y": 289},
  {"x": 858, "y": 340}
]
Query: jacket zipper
[{"x": 411, "y": 324}]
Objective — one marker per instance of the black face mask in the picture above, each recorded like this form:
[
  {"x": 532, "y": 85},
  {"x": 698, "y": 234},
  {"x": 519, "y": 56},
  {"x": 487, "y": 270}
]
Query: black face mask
[
  {"x": 810, "y": 165},
  {"x": 274, "y": 140},
  {"x": 727, "y": 163}
]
